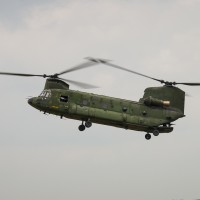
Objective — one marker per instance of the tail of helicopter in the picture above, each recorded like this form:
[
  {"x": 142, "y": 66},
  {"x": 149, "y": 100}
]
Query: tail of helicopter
[
  {"x": 174, "y": 95},
  {"x": 168, "y": 92}
]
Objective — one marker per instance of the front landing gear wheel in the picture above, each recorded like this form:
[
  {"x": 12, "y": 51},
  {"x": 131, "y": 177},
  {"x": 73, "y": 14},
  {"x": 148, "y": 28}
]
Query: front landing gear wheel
[
  {"x": 148, "y": 136},
  {"x": 81, "y": 127}
]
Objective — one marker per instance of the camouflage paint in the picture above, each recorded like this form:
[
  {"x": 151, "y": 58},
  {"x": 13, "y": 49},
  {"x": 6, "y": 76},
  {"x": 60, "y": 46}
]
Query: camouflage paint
[{"x": 59, "y": 100}]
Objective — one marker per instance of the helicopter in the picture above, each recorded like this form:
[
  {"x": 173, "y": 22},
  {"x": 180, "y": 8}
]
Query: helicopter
[{"x": 152, "y": 114}]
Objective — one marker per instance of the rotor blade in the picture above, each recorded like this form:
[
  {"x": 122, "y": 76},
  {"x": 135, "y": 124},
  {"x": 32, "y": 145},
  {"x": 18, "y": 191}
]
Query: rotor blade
[
  {"x": 189, "y": 84},
  {"x": 134, "y": 72},
  {"x": 80, "y": 84},
  {"x": 18, "y": 74},
  {"x": 104, "y": 61},
  {"x": 78, "y": 67},
  {"x": 98, "y": 60}
]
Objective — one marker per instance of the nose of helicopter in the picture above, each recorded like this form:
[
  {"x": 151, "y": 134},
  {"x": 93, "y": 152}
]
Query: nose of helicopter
[
  {"x": 31, "y": 101},
  {"x": 35, "y": 102}
]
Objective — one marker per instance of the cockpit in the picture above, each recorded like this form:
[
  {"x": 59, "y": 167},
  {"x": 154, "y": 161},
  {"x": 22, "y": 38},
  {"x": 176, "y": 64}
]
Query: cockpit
[{"x": 45, "y": 94}]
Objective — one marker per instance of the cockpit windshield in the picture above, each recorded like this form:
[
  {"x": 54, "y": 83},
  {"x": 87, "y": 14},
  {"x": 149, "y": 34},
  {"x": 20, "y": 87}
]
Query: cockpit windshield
[{"x": 45, "y": 94}]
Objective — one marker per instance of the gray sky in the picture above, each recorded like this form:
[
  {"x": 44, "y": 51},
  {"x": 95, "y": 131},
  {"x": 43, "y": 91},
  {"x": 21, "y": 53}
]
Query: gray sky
[{"x": 43, "y": 157}]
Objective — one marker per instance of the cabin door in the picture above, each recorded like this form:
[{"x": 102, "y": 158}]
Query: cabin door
[{"x": 64, "y": 103}]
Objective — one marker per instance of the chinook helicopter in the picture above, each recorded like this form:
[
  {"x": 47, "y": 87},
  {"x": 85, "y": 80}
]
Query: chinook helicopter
[{"x": 153, "y": 113}]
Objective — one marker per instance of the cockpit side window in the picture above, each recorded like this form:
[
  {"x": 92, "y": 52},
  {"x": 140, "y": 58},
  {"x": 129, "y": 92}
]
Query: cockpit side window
[
  {"x": 42, "y": 94},
  {"x": 48, "y": 94},
  {"x": 45, "y": 94}
]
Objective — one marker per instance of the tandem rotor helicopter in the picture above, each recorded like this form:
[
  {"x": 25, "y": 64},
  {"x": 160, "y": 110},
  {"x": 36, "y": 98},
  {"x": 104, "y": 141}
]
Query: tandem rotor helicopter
[{"x": 153, "y": 113}]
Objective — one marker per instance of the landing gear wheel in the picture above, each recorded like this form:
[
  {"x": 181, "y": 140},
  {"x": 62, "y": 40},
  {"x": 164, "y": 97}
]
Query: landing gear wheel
[
  {"x": 88, "y": 124},
  {"x": 81, "y": 127},
  {"x": 148, "y": 136},
  {"x": 156, "y": 132}
]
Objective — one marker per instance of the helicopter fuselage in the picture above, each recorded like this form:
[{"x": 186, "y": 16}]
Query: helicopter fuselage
[{"x": 106, "y": 110}]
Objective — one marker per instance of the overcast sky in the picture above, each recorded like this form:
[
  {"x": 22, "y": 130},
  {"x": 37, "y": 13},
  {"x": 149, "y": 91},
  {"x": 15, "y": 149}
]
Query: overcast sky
[{"x": 44, "y": 157}]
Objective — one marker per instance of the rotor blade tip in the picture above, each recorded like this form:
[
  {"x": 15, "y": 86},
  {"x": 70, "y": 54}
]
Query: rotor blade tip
[{"x": 98, "y": 60}]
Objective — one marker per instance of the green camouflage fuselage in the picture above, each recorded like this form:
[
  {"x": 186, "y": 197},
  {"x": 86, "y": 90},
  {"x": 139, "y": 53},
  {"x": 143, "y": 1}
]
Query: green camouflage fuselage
[{"x": 145, "y": 115}]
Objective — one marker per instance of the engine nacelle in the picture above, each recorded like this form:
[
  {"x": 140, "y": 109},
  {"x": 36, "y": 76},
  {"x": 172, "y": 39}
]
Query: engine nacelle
[{"x": 150, "y": 101}]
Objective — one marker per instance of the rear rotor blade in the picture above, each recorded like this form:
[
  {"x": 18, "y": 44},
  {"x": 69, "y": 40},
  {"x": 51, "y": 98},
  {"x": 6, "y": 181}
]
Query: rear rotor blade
[
  {"x": 78, "y": 67},
  {"x": 134, "y": 72},
  {"x": 80, "y": 84},
  {"x": 104, "y": 61},
  {"x": 189, "y": 84},
  {"x": 19, "y": 74},
  {"x": 167, "y": 83}
]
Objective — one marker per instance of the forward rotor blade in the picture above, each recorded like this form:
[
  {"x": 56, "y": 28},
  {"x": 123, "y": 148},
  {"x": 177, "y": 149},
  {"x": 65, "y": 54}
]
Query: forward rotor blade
[
  {"x": 78, "y": 67},
  {"x": 18, "y": 74},
  {"x": 189, "y": 84},
  {"x": 80, "y": 84},
  {"x": 104, "y": 61}
]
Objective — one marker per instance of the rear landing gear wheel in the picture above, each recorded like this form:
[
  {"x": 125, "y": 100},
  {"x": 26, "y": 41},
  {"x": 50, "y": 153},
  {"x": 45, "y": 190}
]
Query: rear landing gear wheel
[
  {"x": 148, "y": 136},
  {"x": 81, "y": 127},
  {"x": 156, "y": 132}
]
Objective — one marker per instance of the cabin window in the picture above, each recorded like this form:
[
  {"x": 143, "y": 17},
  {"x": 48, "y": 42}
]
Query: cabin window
[
  {"x": 95, "y": 103},
  {"x": 104, "y": 105},
  {"x": 85, "y": 102},
  {"x": 64, "y": 98},
  {"x": 124, "y": 109}
]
